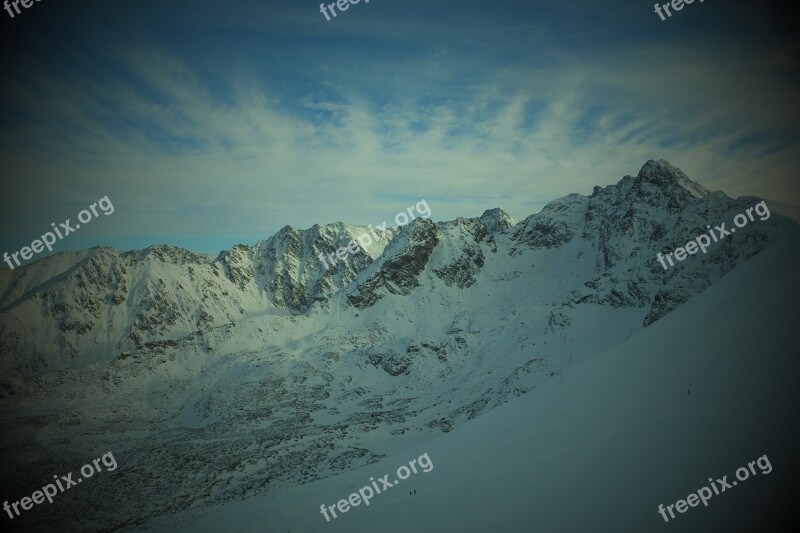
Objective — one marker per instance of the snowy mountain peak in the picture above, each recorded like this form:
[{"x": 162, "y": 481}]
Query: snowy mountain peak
[
  {"x": 496, "y": 219},
  {"x": 663, "y": 174}
]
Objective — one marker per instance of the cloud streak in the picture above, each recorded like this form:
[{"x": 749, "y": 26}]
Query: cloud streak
[{"x": 227, "y": 149}]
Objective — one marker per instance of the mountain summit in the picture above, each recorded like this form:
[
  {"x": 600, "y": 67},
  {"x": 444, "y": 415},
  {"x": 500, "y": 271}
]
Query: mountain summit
[{"x": 662, "y": 174}]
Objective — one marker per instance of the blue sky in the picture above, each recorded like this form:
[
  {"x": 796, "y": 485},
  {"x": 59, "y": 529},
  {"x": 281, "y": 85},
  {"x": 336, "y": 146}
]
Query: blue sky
[{"x": 213, "y": 123}]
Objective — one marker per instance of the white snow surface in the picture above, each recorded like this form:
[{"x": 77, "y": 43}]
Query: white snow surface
[{"x": 607, "y": 443}]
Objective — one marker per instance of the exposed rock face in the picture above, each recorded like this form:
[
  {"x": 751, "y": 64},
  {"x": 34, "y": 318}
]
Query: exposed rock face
[
  {"x": 398, "y": 270},
  {"x": 462, "y": 250},
  {"x": 291, "y": 272}
]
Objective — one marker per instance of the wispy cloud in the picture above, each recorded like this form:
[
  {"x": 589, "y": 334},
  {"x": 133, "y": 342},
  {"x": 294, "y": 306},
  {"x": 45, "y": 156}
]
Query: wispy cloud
[{"x": 231, "y": 148}]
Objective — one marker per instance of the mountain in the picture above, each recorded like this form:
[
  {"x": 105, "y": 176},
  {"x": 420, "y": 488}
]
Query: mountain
[
  {"x": 264, "y": 369},
  {"x": 600, "y": 450}
]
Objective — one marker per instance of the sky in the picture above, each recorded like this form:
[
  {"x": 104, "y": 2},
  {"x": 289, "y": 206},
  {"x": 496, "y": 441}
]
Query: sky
[{"x": 209, "y": 124}]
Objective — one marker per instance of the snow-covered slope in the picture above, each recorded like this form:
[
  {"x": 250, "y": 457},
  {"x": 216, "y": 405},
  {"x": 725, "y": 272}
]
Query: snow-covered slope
[
  {"x": 602, "y": 448},
  {"x": 214, "y": 379}
]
